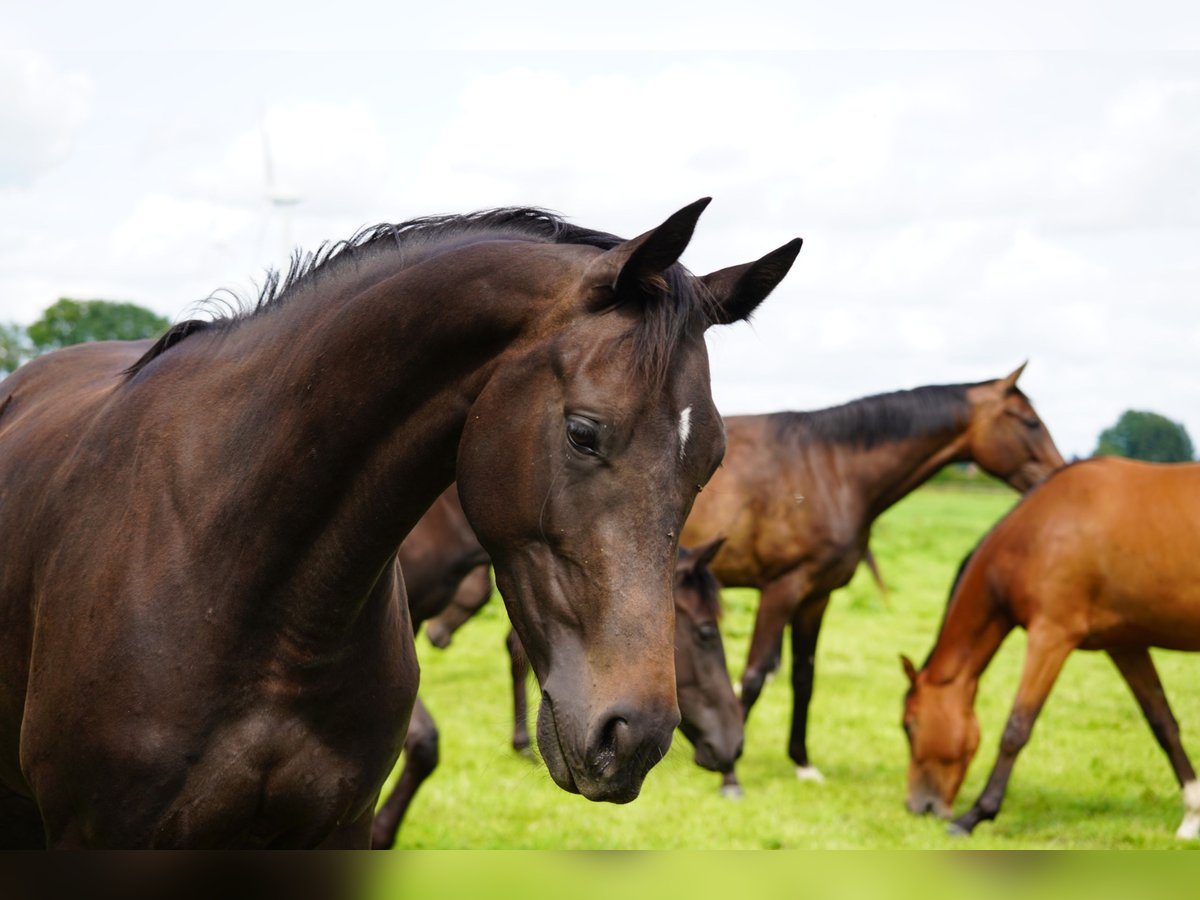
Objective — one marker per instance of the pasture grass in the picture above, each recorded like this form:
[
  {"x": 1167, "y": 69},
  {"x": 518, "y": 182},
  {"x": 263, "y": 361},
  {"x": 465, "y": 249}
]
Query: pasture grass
[{"x": 1092, "y": 775}]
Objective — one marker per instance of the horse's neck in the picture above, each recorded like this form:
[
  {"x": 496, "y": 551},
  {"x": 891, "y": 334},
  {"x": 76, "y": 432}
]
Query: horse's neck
[
  {"x": 891, "y": 469},
  {"x": 973, "y": 629},
  {"x": 344, "y": 416}
]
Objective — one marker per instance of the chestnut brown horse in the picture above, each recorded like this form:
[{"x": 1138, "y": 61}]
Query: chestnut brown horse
[
  {"x": 203, "y": 641},
  {"x": 1103, "y": 556},
  {"x": 710, "y": 714},
  {"x": 799, "y": 491}
]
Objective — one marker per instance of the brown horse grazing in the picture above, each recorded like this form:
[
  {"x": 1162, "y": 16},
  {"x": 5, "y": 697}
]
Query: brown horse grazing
[
  {"x": 1101, "y": 557},
  {"x": 202, "y": 638},
  {"x": 711, "y": 716},
  {"x": 798, "y": 493}
]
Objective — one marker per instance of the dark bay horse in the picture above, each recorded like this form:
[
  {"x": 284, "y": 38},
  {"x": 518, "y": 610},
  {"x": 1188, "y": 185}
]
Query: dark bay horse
[
  {"x": 203, "y": 641},
  {"x": 799, "y": 491},
  {"x": 710, "y": 713},
  {"x": 1103, "y": 556}
]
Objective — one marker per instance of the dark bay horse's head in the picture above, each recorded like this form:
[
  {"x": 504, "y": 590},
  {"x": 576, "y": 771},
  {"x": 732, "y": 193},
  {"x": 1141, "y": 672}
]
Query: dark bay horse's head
[
  {"x": 579, "y": 461},
  {"x": 943, "y": 735},
  {"x": 712, "y": 713},
  {"x": 1006, "y": 436}
]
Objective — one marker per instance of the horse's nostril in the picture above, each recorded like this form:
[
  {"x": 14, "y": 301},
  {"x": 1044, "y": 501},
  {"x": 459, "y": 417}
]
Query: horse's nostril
[{"x": 607, "y": 746}]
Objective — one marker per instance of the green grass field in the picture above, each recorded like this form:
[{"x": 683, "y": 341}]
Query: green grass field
[{"x": 1092, "y": 775}]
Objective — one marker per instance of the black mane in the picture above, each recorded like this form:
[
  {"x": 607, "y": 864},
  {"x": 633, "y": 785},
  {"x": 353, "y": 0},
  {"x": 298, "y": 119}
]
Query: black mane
[
  {"x": 882, "y": 418},
  {"x": 665, "y": 321}
]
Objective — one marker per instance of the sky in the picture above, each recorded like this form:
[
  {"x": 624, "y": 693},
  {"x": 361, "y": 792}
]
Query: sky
[{"x": 975, "y": 187}]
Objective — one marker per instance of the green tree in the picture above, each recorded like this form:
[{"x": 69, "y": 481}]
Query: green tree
[
  {"x": 76, "y": 321},
  {"x": 1148, "y": 436},
  {"x": 14, "y": 347}
]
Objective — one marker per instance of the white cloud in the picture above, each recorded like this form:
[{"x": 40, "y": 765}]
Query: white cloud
[
  {"x": 330, "y": 158},
  {"x": 41, "y": 110}
]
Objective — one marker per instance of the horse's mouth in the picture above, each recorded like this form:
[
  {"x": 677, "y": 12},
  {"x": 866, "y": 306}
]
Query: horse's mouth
[
  {"x": 927, "y": 804},
  {"x": 551, "y": 748},
  {"x": 612, "y": 783}
]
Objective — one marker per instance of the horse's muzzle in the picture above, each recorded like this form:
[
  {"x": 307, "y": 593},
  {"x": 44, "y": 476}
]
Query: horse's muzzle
[
  {"x": 608, "y": 760},
  {"x": 922, "y": 803}
]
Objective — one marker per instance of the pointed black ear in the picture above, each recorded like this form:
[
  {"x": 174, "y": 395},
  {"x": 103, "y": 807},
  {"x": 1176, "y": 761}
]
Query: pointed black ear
[
  {"x": 909, "y": 669},
  {"x": 738, "y": 290},
  {"x": 631, "y": 264}
]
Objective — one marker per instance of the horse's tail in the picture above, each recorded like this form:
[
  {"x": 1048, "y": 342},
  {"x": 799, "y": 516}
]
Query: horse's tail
[{"x": 873, "y": 568}]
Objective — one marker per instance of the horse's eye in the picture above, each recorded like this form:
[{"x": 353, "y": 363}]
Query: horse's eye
[
  {"x": 583, "y": 435},
  {"x": 707, "y": 632},
  {"x": 1030, "y": 422}
]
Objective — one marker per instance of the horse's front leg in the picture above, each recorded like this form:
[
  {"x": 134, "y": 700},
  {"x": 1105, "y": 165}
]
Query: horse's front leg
[
  {"x": 1044, "y": 658},
  {"x": 779, "y": 598},
  {"x": 519, "y": 665},
  {"x": 806, "y": 626}
]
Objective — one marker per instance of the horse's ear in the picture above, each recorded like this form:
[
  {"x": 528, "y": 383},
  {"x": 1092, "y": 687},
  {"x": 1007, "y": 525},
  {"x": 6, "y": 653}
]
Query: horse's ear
[
  {"x": 622, "y": 271},
  {"x": 909, "y": 669},
  {"x": 706, "y": 552},
  {"x": 1008, "y": 384},
  {"x": 738, "y": 290}
]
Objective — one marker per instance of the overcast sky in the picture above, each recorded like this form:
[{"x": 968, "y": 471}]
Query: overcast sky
[{"x": 974, "y": 189}]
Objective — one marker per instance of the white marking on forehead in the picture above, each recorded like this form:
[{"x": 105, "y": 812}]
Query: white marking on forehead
[{"x": 685, "y": 428}]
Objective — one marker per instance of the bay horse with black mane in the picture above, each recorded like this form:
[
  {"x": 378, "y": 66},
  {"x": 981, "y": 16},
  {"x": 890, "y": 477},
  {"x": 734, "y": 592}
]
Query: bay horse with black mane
[
  {"x": 798, "y": 492},
  {"x": 203, "y": 641},
  {"x": 1103, "y": 556}
]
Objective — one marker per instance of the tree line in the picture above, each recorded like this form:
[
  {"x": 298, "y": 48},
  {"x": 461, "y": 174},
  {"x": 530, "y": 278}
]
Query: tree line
[{"x": 75, "y": 322}]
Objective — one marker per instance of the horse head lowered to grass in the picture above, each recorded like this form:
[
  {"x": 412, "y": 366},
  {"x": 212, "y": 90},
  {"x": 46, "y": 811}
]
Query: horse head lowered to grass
[
  {"x": 204, "y": 640},
  {"x": 1100, "y": 557}
]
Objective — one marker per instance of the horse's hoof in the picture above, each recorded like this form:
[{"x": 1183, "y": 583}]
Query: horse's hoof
[
  {"x": 732, "y": 791},
  {"x": 955, "y": 830},
  {"x": 1190, "y": 829},
  {"x": 810, "y": 773}
]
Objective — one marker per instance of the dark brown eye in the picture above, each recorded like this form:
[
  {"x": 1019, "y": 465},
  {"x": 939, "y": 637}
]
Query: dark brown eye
[
  {"x": 707, "y": 632},
  {"x": 583, "y": 435}
]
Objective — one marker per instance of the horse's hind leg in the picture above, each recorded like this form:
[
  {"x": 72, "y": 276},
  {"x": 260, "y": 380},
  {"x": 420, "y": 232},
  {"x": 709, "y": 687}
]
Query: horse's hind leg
[
  {"x": 472, "y": 593},
  {"x": 420, "y": 759},
  {"x": 519, "y": 663},
  {"x": 1137, "y": 668},
  {"x": 1044, "y": 658},
  {"x": 21, "y": 825},
  {"x": 806, "y": 627}
]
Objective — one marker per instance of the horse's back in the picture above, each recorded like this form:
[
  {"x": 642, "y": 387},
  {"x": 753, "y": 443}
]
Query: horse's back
[
  {"x": 1109, "y": 548},
  {"x": 779, "y": 503}
]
